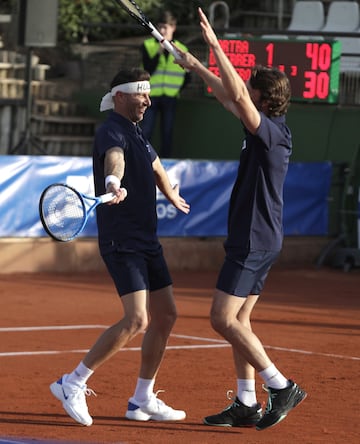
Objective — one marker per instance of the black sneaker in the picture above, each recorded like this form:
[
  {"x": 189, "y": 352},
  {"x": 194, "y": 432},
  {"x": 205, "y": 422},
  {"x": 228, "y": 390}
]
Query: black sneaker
[
  {"x": 236, "y": 415},
  {"x": 279, "y": 404}
]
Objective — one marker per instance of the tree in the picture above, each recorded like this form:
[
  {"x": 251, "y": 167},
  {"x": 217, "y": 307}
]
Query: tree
[{"x": 79, "y": 18}]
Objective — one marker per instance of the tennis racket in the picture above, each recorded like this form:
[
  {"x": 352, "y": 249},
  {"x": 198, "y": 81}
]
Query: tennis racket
[
  {"x": 135, "y": 12},
  {"x": 64, "y": 211}
]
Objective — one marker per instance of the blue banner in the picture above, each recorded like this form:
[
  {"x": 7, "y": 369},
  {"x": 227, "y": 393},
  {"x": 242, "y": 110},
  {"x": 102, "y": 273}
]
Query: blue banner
[
  {"x": 206, "y": 185},
  {"x": 306, "y": 194}
]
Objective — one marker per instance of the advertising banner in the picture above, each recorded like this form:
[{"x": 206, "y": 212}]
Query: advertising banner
[{"x": 206, "y": 185}]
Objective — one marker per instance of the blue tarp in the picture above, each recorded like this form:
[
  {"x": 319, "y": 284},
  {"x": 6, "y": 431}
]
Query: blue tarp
[{"x": 206, "y": 185}]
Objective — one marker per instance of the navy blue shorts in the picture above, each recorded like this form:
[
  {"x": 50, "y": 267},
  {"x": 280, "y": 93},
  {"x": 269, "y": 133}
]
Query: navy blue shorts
[
  {"x": 244, "y": 273},
  {"x": 134, "y": 271}
]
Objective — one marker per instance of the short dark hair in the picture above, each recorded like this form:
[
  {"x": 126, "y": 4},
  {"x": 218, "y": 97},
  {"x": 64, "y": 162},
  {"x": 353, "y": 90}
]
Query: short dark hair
[
  {"x": 166, "y": 17},
  {"x": 274, "y": 87},
  {"x": 129, "y": 75}
]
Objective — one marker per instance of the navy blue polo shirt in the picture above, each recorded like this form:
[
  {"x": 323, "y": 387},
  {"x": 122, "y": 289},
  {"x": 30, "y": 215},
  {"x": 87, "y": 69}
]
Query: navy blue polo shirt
[
  {"x": 256, "y": 203},
  {"x": 132, "y": 224}
]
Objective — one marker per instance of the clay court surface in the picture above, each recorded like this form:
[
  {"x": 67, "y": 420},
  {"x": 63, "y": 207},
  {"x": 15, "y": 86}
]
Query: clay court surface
[{"x": 308, "y": 319}]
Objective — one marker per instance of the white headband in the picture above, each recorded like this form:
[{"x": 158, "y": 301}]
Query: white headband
[{"x": 140, "y": 87}]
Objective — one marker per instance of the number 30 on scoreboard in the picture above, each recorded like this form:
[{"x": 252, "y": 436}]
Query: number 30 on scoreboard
[{"x": 312, "y": 66}]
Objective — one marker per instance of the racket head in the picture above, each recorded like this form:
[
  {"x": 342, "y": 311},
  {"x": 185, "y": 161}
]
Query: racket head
[
  {"x": 134, "y": 11},
  {"x": 62, "y": 212}
]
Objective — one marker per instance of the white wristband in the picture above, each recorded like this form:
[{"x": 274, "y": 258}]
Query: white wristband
[{"x": 112, "y": 179}]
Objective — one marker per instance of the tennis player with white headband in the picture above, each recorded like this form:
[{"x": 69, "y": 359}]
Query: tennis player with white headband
[
  {"x": 130, "y": 248},
  {"x": 128, "y": 88}
]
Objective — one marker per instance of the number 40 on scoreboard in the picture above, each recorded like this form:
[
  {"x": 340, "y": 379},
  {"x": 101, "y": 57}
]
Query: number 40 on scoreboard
[{"x": 312, "y": 66}]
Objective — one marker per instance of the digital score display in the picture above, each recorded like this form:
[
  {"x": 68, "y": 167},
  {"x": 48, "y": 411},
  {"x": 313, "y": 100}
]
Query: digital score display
[{"x": 312, "y": 66}]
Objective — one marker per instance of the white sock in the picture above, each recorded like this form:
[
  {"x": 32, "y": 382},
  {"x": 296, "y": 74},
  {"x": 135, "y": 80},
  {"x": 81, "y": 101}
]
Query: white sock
[
  {"x": 144, "y": 389},
  {"x": 80, "y": 375},
  {"x": 246, "y": 392},
  {"x": 273, "y": 378}
]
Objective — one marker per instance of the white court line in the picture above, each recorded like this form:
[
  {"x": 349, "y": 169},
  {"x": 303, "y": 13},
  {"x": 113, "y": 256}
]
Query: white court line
[
  {"x": 126, "y": 349},
  {"x": 52, "y": 327},
  {"x": 181, "y": 347},
  {"x": 198, "y": 338},
  {"x": 305, "y": 352},
  {"x": 220, "y": 343}
]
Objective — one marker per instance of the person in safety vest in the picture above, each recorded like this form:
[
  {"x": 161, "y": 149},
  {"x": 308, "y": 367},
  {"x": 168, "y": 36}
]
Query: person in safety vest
[{"x": 167, "y": 80}]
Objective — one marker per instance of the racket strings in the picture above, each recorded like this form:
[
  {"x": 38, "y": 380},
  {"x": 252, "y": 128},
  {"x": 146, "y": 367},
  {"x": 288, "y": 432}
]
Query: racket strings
[{"x": 63, "y": 212}]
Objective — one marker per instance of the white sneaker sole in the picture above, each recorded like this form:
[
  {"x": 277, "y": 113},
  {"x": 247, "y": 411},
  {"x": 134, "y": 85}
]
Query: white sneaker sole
[
  {"x": 140, "y": 414},
  {"x": 137, "y": 415},
  {"x": 178, "y": 416},
  {"x": 57, "y": 391}
]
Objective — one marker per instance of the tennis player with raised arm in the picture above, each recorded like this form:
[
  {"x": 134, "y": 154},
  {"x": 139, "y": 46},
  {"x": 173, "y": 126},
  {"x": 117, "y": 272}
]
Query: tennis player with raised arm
[
  {"x": 255, "y": 231},
  {"x": 130, "y": 248}
]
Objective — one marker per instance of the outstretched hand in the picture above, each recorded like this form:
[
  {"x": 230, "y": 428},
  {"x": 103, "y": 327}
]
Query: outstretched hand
[
  {"x": 179, "y": 202},
  {"x": 207, "y": 31},
  {"x": 189, "y": 61}
]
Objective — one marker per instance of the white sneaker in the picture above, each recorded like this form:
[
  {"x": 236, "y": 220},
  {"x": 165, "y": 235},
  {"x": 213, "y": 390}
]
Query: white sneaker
[
  {"x": 154, "y": 409},
  {"x": 73, "y": 399}
]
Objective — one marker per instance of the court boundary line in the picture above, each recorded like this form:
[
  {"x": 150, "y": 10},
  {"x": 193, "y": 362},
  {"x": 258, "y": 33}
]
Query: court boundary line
[{"x": 216, "y": 343}]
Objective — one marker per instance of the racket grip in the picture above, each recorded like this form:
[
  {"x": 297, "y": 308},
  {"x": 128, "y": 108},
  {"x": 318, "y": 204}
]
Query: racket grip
[
  {"x": 106, "y": 197},
  {"x": 167, "y": 45},
  {"x": 110, "y": 196}
]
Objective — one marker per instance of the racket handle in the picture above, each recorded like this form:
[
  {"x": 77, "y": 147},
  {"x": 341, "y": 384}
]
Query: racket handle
[
  {"x": 106, "y": 197},
  {"x": 110, "y": 196},
  {"x": 167, "y": 45}
]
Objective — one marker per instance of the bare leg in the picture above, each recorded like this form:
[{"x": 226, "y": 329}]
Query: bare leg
[
  {"x": 71, "y": 389},
  {"x": 162, "y": 318},
  {"x": 144, "y": 405},
  {"x": 247, "y": 348},
  {"x": 118, "y": 335},
  {"x": 243, "y": 369}
]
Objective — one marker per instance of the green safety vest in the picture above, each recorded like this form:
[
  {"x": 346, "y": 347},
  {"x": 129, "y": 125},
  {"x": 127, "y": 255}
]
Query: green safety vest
[{"x": 168, "y": 77}]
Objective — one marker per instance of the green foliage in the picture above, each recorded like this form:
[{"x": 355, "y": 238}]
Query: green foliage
[
  {"x": 98, "y": 19},
  {"x": 78, "y": 18},
  {"x": 74, "y": 14}
]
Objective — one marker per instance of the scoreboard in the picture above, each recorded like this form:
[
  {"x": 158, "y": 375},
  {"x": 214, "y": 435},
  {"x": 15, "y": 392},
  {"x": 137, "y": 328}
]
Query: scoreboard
[{"x": 311, "y": 66}]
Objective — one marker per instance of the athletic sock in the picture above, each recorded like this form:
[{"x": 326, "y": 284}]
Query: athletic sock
[
  {"x": 273, "y": 378},
  {"x": 246, "y": 392},
  {"x": 80, "y": 375},
  {"x": 144, "y": 389}
]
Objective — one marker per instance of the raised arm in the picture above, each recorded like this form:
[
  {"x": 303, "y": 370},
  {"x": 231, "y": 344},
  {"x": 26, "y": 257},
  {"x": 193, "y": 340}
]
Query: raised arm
[{"x": 230, "y": 89}]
